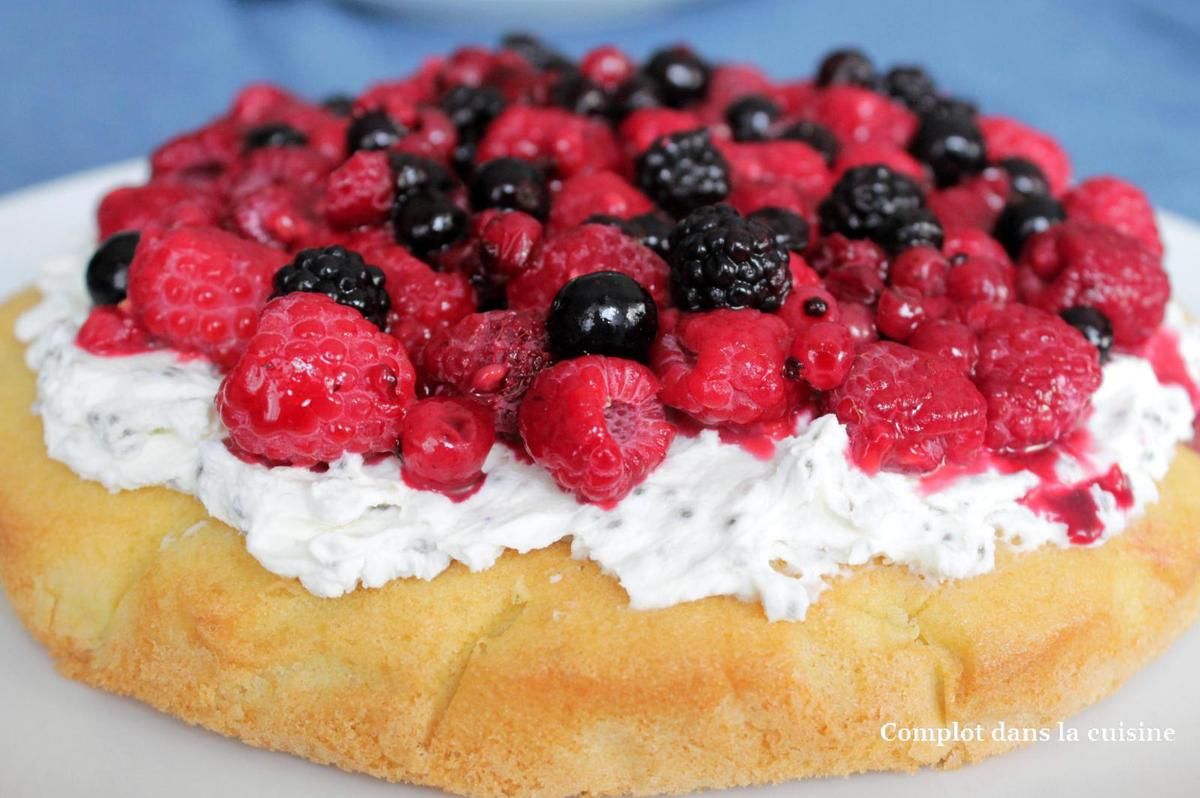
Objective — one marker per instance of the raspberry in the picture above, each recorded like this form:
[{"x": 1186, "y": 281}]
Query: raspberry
[
  {"x": 949, "y": 339},
  {"x": 201, "y": 290},
  {"x": 111, "y": 331},
  {"x": 491, "y": 357},
  {"x": 972, "y": 241},
  {"x": 1008, "y": 138},
  {"x": 720, "y": 259},
  {"x": 360, "y": 191},
  {"x": 341, "y": 275},
  {"x": 199, "y": 153},
  {"x": 317, "y": 381},
  {"x": 582, "y": 250},
  {"x": 809, "y": 304},
  {"x": 287, "y": 167},
  {"x": 159, "y": 203},
  {"x": 860, "y": 116},
  {"x": 922, "y": 269},
  {"x": 978, "y": 279},
  {"x": 1089, "y": 264},
  {"x": 859, "y": 320},
  {"x": 507, "y": 239},
  {"x": 837, "y": 250},
  {"x": 890, "y": 156},
  {"x": 908, "y": 411},
  {"x": 607, "y": 67},
  {"x": 596, "y": 425},
  {"x": 902, "y": 310},
  {"x": 747, "y": 198},
  {"x": 423, "y": 301},
  {"x": 974, "y": 203},
  {"x": 444, "y": 443},
  {"x": 824, "y": 353},
  {"x": 732, "y": 82},
  {"x": 1038, "y": 375},
  {"x": 277, "y": 216},
  {"x": 1120, "y": 205},
  {"x": 599, "y": 193},
  {"x": 570, "y": 144},
  {"x": 855, "y": 282},
  {"x": 683, "y": 171},
  {"x": 643, "y": 127},
  {"x": 725, "y": 366},
  {"x": 867, "y": 200},
  {"x": 789, "y": 161}
]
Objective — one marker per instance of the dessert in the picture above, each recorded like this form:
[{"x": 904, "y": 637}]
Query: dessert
[{"x": 525, "y": 427}]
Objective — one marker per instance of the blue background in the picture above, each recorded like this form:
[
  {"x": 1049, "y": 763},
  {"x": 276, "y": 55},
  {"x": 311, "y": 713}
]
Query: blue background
[{"x": 86, "y": 81}]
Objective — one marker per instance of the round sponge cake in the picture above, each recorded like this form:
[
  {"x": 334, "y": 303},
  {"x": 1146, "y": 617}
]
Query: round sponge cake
[{"x": 535, "y": 677}]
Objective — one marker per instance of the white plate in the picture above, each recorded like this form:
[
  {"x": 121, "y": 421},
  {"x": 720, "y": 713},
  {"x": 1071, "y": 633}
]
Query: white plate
[{"x": 58, "y": 738}]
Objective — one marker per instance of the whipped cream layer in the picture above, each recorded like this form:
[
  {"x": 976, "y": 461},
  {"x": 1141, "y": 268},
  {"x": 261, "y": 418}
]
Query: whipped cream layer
[{"x": 712, "y": 520}]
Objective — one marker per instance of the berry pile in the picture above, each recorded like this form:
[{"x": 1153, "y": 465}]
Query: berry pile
[{"x": 583, "y": 258}]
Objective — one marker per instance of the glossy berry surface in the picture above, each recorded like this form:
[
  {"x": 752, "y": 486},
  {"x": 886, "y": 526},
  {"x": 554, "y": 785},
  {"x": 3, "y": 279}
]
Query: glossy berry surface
[
  {"x": 912, "y": 86},
  {"x": 511, "y": 183},
  {"x": 107, "y": 275},
  {"x": 847, "y": 66},
  {"x": 751, "y": 117},
  {"x": 824, "y": 353},
  {"x": 1093, "y": 325},
  {"x": 341, "y": 275},
  {"x": 112, "y": 331},
  {"x": 373, "y": 130},
  {"x": 721, "y": 260},
  {"x": 1021, "y": 219},
  {"x": 414, "y": 174},
  {"x": 683, "y": 171},
  {"x": 680, "y": 76},
  {"x": 790, "y": 228},
  {"x": 444, "y": 443},
  {"x": 1025, "y": 179},
  {"x": 317, "y": 381},
  {"x": 596, "y": 425},
  {"x": 951, "y": 145},
  {"x": 472, "y": 108},
  {"x": 602, "y": 313},
  {"x": 914, "y": 228},
  {"x": 866, "y": 200},
  {"x": 426, "y": 223},
  {"x": 276, "y": 134}
]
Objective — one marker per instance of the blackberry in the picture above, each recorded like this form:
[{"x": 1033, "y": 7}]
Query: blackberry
[
  {"x": 912, "y": 86},
  {"x": 340, "y": 274},
  {"x": 847, "y": 66},
  {"x": 414, "y": 174},
  {"x": 720, "y": 260},
  {"x": 790, "y": 229},
  {"x": 340, "y": 105},
  {"x": 952, "y": 145},
  {"x": 510, "y": 183},
  {"x": 650, "y": 229},
  {"x": 1094, "y": 326},
  {"x": 681, "y": 76},
  {"x": 683, "y": 171},
  {"x": 1024, "y": 216},
  {"x": 638, "y": 92},
  {"x": 427, "y": 222},
  {"x": 576, "y": 93},
  {"x": 1025, "y": 178},
  {"x": 471, "y": 109},
  {"x": 750, "y": 118},
  {"x": 953, "y": 107},
  {"x": 815, "y": 135},
  {"x": 534, "y": 50},
  {"x": 273, "y": 134},
  {"x": 915, "y": 228},
  {"x": 602, "y": 313},
  {"x": 107, "y": 275},
  {"x": 373, "y": 130},
  {"x": 866, "y": 200}
]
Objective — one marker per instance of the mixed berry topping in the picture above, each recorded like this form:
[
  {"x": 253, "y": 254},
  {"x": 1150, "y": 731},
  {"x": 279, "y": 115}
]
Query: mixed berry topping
[{"x": 582, "y": 258}]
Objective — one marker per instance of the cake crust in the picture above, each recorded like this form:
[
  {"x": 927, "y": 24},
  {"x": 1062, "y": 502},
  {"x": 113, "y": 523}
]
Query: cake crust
[{"x": 535, "y": 677}]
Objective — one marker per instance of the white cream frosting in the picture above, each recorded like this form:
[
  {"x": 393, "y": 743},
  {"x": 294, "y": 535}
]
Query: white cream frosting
[{"x": 712, "y": 520}]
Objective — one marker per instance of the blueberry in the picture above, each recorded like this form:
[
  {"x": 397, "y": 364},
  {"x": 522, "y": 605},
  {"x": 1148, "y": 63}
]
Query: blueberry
[
  {"x": 790, "y": 229},
  {"x": 951, "y": 145},
  {"x": 414, "y": 174},
  {"x": 654, "y": 231},
  {"x": 1025, "y": 177},
  {"x": 750, "y": 118},
  {"x": 681, "y": 76},
  {"x": 510, "y": 183},
  {"x": 918, "y": 227},
  {"x": 108, "y": 271},
  {"x": 471, "y": 109},
  {"x": 847, "y": 66},
  {"x": 817, "y": 136},
  {"x": 1022, "y": 218},
  {"x": 912, "y": 86},
  {"x": 427, "y": 222},
  {"x": 579, "y": 95},
  {"x": 373, "y": 130},
  {"x": 636, "y": 93},
  {"x": 1094, "y": 325},
  {"x": 603, "y": 313},
  {"x": 340, "y": 105},
  {"x": 273, "y": 134},
  {"x": 534, "y": 50}
]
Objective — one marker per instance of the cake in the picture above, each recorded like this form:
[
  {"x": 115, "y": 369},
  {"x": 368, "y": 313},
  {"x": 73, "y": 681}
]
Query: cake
[{"x": 528, "y": 426}]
